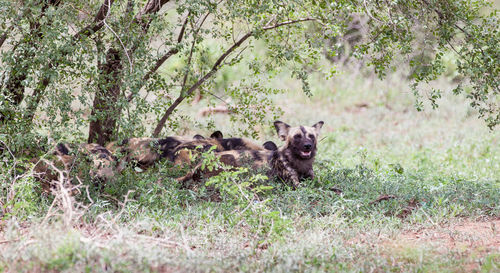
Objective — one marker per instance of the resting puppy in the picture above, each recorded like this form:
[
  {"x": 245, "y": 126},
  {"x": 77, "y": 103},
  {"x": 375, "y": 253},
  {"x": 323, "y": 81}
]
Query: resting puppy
[{"x": 291, "y": 163}]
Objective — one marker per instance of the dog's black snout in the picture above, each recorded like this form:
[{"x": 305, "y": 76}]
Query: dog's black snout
[{"x": 307, "y": 146}]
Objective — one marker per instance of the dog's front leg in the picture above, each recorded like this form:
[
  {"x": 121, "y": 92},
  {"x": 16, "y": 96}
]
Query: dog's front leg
[{"x": 309, "y": 174}]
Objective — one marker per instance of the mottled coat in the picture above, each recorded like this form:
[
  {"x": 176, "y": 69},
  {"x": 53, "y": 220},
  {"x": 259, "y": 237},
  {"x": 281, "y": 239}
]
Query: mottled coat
[
  {"x": 66, "y": 157},
  {"x": 184, "y": 152},
  {"x": 145, "y": 151},
  {"x": 292, "y": 162}
]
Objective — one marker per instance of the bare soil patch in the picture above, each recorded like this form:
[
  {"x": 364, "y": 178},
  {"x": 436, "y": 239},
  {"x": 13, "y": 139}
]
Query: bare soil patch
[
  {"x": 470, "y": 234},
  {"x": 468, "y": 240}
]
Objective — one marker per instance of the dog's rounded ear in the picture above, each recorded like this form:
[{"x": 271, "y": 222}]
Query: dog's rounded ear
[
  {"x": 217, "y": 135},
  {"x": 282, "y": 129},
  {"x": 198, "y": 137},
  {"x": 318, "y": 126},
  {"x": 269, "y": 145},
  {"x": 62, "y": 149}
]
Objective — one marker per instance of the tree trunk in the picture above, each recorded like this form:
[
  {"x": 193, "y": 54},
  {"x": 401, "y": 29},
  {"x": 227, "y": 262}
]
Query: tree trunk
[{"x": 105, "y": 111}]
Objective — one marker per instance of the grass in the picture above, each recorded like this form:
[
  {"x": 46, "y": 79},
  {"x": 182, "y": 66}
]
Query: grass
[{"x": 396, "y": 191}]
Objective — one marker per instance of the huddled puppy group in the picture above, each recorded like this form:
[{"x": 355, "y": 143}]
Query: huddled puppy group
[{"x": 291, "y": 162}]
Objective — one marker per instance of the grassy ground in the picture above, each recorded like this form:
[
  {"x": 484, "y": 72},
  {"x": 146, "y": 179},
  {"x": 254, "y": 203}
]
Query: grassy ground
[{"x": 396, "y": 190}]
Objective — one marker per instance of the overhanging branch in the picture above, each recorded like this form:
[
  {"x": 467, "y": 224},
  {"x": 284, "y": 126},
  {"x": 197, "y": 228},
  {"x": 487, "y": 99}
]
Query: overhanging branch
[
  {"x": 163, "y": 58},
  {"x": 98, "y": 22},
  {"x": 217, "y": 65}
]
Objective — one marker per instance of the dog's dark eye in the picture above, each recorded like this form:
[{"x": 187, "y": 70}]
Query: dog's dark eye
[
  {"x": 297, "y": 136},
  {"x": 311, "y": 136}
]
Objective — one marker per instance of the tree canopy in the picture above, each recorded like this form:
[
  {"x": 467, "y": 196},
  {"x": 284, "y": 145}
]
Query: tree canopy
[{"x": 72, "y": 66}]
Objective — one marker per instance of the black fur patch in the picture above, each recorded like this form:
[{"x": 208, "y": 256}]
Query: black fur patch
[
  {"x": 217, "y": 135},
  {"x": 62, "y": 149},
  {"x": 256, "y": 156},
  {"x": 101, "y": 150},
  {"x": 198, "y": 137},
  {"x": 233, "y": 143},
  {"x": 168, "y": 143},
  {"x": 167, "y": 147},
  {"x": 303, "y": 130},
  {"x": 124, "y": 142},
  {"x": 229, "y": 160},
  {"x": 271, "y": 146}
]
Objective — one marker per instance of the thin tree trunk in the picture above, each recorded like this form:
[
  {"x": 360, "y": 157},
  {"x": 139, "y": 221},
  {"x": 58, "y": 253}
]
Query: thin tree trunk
[
  {"x": 105, "y": 111},
  {"x": 4, "y": 35}
]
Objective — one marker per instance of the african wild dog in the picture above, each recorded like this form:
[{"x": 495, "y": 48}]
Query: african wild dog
[
  {"x": 103, "y": 165},
  {"x": 145, "y": 151},
  {"x": 102, "y": 162},
  {"x": 184, "y": 152},
  {"x": 235, "y": 143},
  {"x": 292, "y": 162}
]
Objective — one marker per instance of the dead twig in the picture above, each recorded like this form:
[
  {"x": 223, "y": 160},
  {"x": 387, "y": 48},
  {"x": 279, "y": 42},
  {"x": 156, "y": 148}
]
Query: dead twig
[{"x": 382, "y": 198}]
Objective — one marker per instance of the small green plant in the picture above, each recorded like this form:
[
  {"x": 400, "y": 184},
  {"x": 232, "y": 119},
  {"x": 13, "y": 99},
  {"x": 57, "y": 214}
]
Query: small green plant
[{"x": 249, "y": 193}]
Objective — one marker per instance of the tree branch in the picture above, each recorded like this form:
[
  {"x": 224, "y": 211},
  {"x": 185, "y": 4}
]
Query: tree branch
[
  {"x": 188, "y": 65},
  {"x": 151, "y": 7},
  {"x": 217, "y": 65},
  {"x": 98, "y": 22},
  {"x": 300, "y": 20},
  {"x": 163, "y": 58},
  {"x": 4, "y": 35}
]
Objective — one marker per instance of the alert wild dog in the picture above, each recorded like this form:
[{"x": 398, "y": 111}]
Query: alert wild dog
[{"x": 292, "y": 162}]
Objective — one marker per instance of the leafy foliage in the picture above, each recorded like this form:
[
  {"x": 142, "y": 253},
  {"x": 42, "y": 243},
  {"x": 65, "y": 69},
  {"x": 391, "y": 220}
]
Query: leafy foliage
[{"x": 118, "y": 66}]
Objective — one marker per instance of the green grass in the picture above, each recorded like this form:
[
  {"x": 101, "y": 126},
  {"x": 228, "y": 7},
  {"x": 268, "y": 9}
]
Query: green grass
[{"x": 440, "y": 170}]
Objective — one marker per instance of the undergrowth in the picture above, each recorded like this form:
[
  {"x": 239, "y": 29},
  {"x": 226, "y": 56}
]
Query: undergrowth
[{"x": 236, "y": 221}]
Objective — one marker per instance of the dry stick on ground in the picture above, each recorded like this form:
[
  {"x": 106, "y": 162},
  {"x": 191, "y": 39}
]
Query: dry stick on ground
[
  {"x": 217, "y": 65},
  {"x": 63, "y": 197},
  {"x": 124, "y": 204},
  {"x": 163, "y": 242},
  {"x": 10, "y": 194},
  {"x": 382, "y": 198}
]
